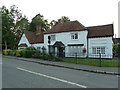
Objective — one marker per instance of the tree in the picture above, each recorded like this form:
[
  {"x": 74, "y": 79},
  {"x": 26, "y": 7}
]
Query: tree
[
  {"x": 21, "y": 26},
  {"x": 9, "y": 18},
  {"x": 39, "y": 20},
  {"x": 61, "y": 20}
]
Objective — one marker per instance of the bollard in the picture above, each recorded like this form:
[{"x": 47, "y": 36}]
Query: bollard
[
  {"x": 100, "y": 59},
  {"x": 76, "y": 57}
]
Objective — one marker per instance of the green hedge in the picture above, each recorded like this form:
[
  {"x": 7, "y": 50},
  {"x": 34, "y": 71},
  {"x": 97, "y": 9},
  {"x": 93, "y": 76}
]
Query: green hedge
[
  {"x": 31, "y": 52},
  {"x": 7, "y": 51},
  {"x": 116, "y": 50}
]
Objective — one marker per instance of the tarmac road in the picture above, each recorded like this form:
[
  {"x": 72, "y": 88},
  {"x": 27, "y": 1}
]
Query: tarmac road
[{"x": 21, "y": 74}]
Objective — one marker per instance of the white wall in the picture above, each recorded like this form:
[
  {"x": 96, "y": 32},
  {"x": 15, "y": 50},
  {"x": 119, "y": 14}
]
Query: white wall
[
  {"x": 24, "y": 40},
  {"x": 38, "y": 45},
  {"x": 101, "y": 42},
  {"x": 65, "y": 38}
]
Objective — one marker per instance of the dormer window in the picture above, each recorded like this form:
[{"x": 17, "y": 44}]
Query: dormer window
[{"x": 74, "y": 36}]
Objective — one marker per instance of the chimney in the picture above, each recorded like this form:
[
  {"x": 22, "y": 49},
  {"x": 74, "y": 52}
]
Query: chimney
[
  {"x": 38, "y": 30},
  {"x": 51, "y": 25}
]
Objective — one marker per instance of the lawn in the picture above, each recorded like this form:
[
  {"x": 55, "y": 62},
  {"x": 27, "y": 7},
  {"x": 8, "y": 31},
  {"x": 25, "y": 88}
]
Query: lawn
[{"x": 93, "y": 62}]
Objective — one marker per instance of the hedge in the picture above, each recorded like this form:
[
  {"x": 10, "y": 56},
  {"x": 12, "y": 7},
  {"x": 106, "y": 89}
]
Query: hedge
[{"x": 116, "y": 50}]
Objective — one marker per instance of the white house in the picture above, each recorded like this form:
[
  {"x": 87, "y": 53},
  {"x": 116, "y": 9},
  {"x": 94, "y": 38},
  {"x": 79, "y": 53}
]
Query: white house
[
  {"x": 72, "y": 39},
  {"x": 32, "y": 39}
]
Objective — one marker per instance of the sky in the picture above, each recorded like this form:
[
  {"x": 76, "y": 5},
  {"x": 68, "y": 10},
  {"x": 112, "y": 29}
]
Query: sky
[{"x": 87, "y": 12}]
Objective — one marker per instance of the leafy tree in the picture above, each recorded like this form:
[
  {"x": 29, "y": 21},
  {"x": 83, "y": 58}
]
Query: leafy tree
[
  {"x": 39, "y": 20},
  {"x": 9, "y": 18},
  {"x": 61, "y": 20},
  {"x": 21, "y": 26}
]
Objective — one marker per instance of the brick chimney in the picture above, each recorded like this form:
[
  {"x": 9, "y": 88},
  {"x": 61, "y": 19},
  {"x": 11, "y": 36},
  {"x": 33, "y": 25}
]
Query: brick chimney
[
  {"x": 51, "y": 25},
  {"x": 38, "y": 30}
]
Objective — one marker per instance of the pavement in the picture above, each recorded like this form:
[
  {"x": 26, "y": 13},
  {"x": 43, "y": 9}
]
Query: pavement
[{"x": 94, "y": 69}]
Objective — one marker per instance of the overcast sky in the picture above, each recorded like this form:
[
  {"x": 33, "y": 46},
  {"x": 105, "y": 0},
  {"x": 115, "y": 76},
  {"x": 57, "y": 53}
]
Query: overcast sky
[{"x": 87, "y": 12}]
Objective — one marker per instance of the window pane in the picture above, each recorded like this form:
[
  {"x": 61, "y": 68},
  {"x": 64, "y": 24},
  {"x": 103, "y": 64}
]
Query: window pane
[
  {"x": 74, "y": 36},
  {"x": 52, "y": 37}
]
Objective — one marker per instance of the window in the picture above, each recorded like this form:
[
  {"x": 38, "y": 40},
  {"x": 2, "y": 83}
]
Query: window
[
  {"x": 75, "y": 49},
  {"x": 38, "y": 48},
  {"x": 98, "y": 50},
  {"x": 74, "y": 35},
  {"x": 52, "y": 37}
]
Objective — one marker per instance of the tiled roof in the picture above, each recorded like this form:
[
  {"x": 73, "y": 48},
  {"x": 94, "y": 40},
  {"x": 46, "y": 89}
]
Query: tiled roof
[
  {"x": 23, "y": 45},
  {"x": 33, "y": 38},
  {"x": 58, "y": 43},
  {"x": 66, "y": 27},
  {"x": 116, "y": 40},
  {"x": 100, "y": 31}
]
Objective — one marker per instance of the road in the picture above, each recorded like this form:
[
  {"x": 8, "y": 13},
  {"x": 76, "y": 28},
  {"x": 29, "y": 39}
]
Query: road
[{"x": 22, "y": 74}]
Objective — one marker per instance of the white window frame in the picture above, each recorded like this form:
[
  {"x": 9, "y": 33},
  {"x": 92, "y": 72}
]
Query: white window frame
[
  {"x": 53, "y": 37},
  {"x": 74, "y": 36},
  {"x": 75, "y": 49},
  {"x": 98, "y": 50}
]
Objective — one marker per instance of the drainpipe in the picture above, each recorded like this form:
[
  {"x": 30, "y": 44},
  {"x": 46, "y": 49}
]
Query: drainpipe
[{"x": 87, "y": 47}]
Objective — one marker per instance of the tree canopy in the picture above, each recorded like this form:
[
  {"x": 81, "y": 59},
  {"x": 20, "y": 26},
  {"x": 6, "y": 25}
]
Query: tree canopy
[
  {"x": 39, "y": 20},
  {"x": 61, "y": 20},
  {"x": 14, "y": 24}
]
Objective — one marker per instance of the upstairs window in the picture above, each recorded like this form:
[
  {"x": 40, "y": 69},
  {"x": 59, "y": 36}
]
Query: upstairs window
[
  {"x": 74, "y": 36},
  {"x": 52, "y": 37}
]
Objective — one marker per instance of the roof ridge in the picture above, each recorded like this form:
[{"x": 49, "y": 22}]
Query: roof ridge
[{"x": 99, "y": 25}]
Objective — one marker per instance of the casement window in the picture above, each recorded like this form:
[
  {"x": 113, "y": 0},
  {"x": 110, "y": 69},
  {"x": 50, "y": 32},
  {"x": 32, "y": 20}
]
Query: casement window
[
  {"x": 98, "y": 50},
  {"x": 74, "y": 36},
  {"x": 38, "y": 48},
  {"x": 75, "y": 49},
  {"x": 52, "y": 37}
]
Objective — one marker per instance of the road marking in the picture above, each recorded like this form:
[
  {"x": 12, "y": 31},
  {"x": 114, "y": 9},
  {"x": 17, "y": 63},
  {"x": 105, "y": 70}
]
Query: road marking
[{"x": 58, "y": 79}]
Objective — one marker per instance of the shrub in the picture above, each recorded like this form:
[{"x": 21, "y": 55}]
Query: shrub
[
  {"x": 30, "y": 48},
  {"x": 13, "y": 53},
  {"x": 18, "y": 53},
  {"x": 116, "y": 50},
  {"x": 28, "y": 53},
  {"x": 7, "y": 51},
  {"x": 36, "y": 54}
]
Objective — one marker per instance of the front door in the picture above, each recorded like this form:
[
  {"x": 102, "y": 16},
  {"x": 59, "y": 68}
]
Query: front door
[{"x": 61, "y": 51}]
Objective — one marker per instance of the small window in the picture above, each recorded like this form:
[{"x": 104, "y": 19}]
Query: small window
[
  {"x": 38, "y": 48},
  {"x": 52, "y": 37},
  {"x": 74, "y": 35}
]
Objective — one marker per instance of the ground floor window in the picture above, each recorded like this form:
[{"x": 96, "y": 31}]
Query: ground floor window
[
  {"x": 38, "y": 48},
  {"x": 98, "y": 50},
  {"x": 73, "y": 50},
  {"x": 22, "y": 48}
]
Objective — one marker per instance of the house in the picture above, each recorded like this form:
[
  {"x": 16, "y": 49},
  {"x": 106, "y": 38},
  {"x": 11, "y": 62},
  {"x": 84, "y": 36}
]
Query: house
[
  {"x": 71, "y": 39},
  {"x": 116, "y": 40},
  {"x": 32, "y": 39}
]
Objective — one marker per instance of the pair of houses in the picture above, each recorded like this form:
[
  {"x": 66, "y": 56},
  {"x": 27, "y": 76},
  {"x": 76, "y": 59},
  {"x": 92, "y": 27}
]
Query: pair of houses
[{"x": 70, "y": 39}]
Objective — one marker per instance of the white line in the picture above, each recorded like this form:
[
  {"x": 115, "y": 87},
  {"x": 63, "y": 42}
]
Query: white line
[{"x": 65, "y": 81}]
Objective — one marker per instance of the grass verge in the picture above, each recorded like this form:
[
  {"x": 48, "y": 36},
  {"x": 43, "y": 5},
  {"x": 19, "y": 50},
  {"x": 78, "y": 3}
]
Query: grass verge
[{"x": 93, "y": 62}]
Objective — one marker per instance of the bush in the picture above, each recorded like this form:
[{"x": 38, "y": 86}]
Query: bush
[
  {"x": 18, "y": 53},
  {"x": 30, "y": 48},
  {"x": 36, "y": 54},
  {"x": 116, "y": 50},
  {"x": 7, "y": 51},
  {"x": 28, "y": 53},
  {"x": 13, "y": 53}
]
